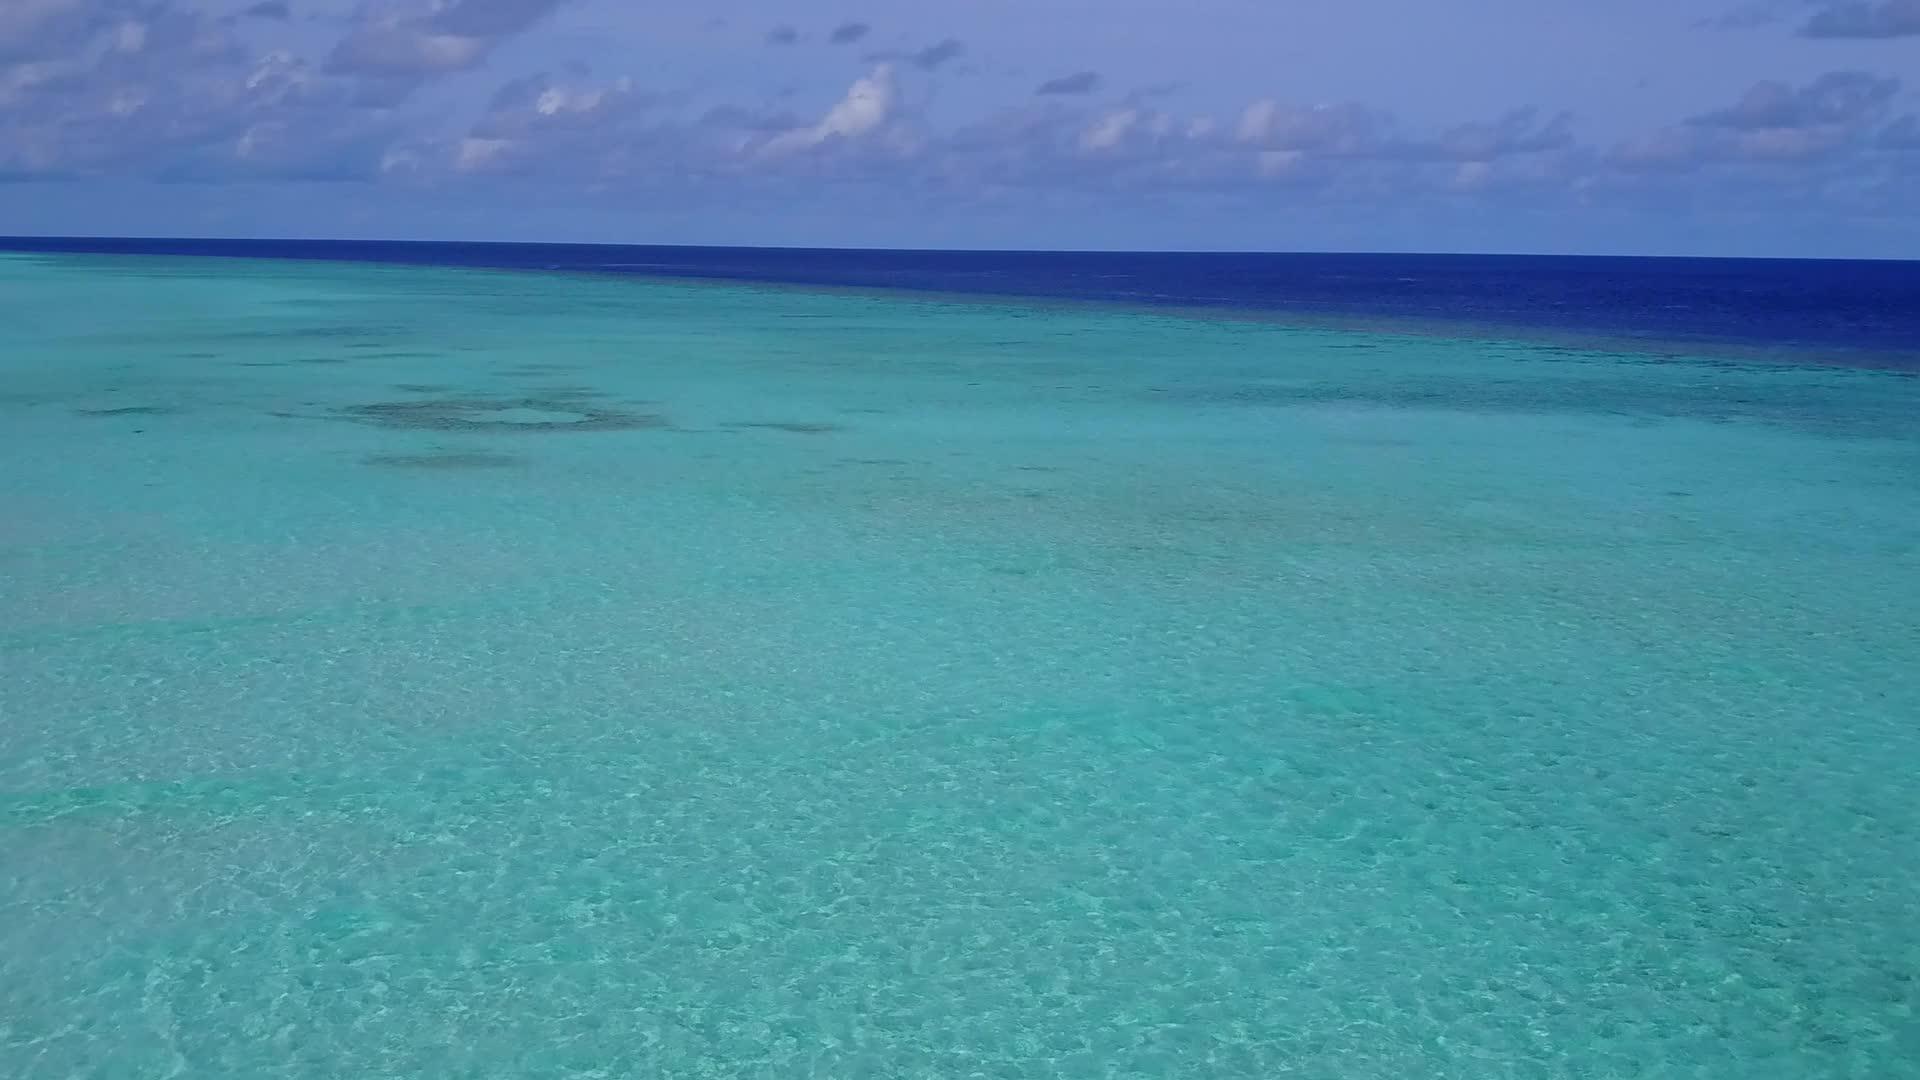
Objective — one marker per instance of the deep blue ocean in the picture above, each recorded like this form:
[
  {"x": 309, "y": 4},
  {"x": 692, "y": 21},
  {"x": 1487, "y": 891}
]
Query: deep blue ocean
[{"x": 1854, "y": 312}]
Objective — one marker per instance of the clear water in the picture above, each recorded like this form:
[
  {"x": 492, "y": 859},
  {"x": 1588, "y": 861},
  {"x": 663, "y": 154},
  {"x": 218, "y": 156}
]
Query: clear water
[{"x": 414, "y": 672}]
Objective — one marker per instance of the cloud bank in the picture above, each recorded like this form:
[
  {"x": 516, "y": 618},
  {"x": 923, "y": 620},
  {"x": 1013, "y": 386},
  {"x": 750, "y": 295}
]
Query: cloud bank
[
  {"x": 150, "y": 90},
  {"x": 1887, "y": 19}
]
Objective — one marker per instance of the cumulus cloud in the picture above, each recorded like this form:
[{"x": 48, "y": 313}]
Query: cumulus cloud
[
  {"x": 409, "y": 42},
  {"x": 268, "y": 9},
  {"x": 1902, "y": 134},
  {"x": 1521, "y": 131},
  {"x": 1857, "y": 19},
  {"x": 615, "y": 133},
  {"x": 150, "y": 88},
  {"x": 1055, "y": 145},
  {"x": 849, "y": 32},
  {"x": 1080, "y": 82},
  {"x": 1830, "y": 19},
  {"x": 538, "y": 102},
  {"x": 1666, "y": 148},
  {"x": 782, "y": 35},
  {"x": 541, "y": 124},
  {"x": 1836, "y": 98},
  {"x": 143, "y": 88},
  {"x": 1772, "y": 123},
  {"x": 1348, "y": 130},
  {"x": 1334, "y": 151},
  {"x": 865, "y": 110},
  {"x": 1112, "y": 130}
]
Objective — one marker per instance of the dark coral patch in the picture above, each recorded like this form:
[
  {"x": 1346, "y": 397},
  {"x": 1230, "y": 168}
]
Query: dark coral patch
[
  {"x": 538, "y": 369},
  {"x": 792, "y": 426},
  {"x": 568, "y": 393},
  {"x": 524, "y": 414},
  {"x": 442, "y": 461},
  {"x": 128, "y": 410}
]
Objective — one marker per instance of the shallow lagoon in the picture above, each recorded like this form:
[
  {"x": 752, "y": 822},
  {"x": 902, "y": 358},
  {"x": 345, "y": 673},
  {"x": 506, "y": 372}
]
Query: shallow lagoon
[{"x": 426, "y": 672}]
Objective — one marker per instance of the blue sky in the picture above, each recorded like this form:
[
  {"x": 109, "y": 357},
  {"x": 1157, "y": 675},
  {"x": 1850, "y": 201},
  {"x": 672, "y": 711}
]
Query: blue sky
[{"x": 1770, "y": 127}]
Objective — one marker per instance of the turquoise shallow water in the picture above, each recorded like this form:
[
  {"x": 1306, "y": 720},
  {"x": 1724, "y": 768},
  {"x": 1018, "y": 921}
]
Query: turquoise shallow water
[{"x": 444, "y": 673}]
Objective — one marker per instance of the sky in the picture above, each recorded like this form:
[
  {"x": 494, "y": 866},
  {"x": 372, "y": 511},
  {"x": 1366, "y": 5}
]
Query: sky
[{"x": 1714, "y": 127}]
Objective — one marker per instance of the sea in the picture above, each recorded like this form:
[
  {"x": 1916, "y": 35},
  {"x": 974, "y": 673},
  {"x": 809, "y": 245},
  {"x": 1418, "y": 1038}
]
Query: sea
[{"x": 474, "y": 660}]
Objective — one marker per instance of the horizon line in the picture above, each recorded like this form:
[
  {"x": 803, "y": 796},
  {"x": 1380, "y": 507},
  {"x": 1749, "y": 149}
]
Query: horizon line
[{"x": 12, "y": 242}]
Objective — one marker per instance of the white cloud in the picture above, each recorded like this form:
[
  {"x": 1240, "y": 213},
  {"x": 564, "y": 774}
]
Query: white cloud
[
  {"x": 1831, "y": 118},
  {"x": 1108, "y": 131},
  {"x": 408, "y": 43},
  {"x": 1278, "y": 163},
  {"x": 1329, "y": 129},
  {"x": 394, "y": 50},
  {"x": 476, "y": 154},
  {"x": 868, "y": 105},
  {"x": 146, "y": 88},
  {"x": 1473, "y": 175}
]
